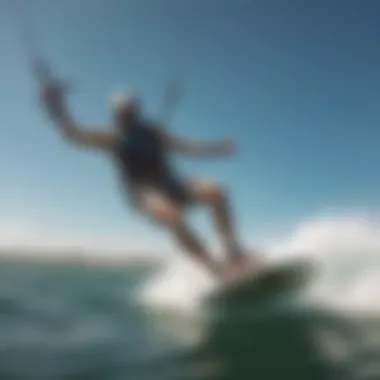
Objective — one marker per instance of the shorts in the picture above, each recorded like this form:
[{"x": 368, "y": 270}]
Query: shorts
[{"x": 169, "y": 188}]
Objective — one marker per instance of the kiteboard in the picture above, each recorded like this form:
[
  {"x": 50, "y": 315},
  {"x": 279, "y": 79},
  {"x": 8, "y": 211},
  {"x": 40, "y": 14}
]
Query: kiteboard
[{"x": 263, "y": 281}]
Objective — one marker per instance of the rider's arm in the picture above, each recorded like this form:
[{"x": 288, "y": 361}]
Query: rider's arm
[
  {"x": 69, "y": 128},
  {"x": 193, "y": 148},
  {"x": 82, "y": 136}
]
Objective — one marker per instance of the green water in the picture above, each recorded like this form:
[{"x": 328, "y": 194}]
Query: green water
[{"x": 82, "y": 324}]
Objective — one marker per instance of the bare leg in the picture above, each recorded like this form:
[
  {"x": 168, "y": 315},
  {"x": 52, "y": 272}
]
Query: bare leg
[
  {"x": 210, "y": 194},
  {"x": 225, "y": 226},
  {"x": 189, "y": 241},
  {"x": 169, "y": 215}
]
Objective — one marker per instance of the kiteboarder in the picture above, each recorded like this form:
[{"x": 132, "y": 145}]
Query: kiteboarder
[{"x": 141, "y": 150}]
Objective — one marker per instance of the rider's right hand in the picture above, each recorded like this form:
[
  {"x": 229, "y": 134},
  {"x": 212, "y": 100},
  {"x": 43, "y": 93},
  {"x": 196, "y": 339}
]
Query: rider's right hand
[{"x": 52, "y": 95}]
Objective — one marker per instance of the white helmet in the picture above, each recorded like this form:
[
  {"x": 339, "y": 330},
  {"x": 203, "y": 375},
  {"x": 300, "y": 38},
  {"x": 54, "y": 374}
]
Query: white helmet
[{"x": 124, "y": 100}]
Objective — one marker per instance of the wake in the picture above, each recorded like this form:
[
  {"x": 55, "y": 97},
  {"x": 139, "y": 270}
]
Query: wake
[
  {"x": 346, "y": 248},
  {"x": 179, "y": 287}
]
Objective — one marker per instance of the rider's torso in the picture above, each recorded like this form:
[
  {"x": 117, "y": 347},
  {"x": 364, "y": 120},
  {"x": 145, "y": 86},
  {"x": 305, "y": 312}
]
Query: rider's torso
[{"x": 141, "y": 153}]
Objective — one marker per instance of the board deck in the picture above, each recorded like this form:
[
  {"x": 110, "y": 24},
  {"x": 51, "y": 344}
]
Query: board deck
[{"x": 268, "y": 280}]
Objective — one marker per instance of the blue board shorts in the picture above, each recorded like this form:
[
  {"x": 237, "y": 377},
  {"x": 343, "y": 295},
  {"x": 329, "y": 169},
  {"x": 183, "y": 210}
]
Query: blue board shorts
[{"x": 168, "y": 188}]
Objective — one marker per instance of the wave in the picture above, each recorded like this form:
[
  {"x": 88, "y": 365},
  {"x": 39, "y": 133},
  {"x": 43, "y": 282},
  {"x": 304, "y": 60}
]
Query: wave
[
  {"x": 330, "y": 332},
  {"x": 346, "y": 249}
]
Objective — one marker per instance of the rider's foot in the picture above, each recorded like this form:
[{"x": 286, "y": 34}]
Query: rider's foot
[{"x": 246, "y": 263}]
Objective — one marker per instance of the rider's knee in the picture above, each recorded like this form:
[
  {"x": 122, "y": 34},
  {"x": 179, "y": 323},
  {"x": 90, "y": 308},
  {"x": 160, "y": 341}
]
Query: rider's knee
[
  {"x": 208, "y": 191},
  {"x": 215, "y": 193},
  {"x": 169, "y": 215}
]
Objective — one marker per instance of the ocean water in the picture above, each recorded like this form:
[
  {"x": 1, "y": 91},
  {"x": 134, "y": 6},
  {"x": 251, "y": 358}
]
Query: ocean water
[{"x": 128, "y": 323}]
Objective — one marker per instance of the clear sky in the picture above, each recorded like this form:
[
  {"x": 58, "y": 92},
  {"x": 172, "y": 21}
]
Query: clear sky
[{"x": 296, "y": 83}]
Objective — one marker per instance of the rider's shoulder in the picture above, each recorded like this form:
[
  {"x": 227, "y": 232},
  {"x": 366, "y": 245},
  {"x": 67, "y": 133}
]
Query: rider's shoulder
[{"x": 153, "y": 126}]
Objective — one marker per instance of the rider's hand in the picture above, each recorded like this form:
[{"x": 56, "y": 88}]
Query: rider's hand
[{"x": 52, "y": 94}]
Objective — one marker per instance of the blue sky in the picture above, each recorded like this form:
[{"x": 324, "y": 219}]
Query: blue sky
[{"x": 296, "y": 83}]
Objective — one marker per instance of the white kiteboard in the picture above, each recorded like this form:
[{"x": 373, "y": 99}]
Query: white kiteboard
[{"x": 266, "y": 280}]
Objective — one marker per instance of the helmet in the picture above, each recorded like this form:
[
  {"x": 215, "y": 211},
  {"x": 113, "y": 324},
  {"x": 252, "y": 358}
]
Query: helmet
[{"x": 122, "y": 102}]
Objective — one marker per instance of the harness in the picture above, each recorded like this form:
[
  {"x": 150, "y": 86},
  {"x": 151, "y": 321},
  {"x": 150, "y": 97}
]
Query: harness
[{"x": 141, "y": 154}]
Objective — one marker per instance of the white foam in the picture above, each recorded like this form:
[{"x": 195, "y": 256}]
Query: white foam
[
  {"x": 348, "y": 248},
  {"x": 180, "y": 286}
]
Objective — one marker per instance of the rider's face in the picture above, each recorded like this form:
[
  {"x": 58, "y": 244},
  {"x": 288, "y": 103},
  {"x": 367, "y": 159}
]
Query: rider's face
[{"x": 127, "y": 114}]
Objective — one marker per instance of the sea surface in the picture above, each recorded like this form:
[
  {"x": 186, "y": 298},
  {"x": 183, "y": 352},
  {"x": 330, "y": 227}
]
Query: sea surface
[{"x": 80, "y": 323}]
